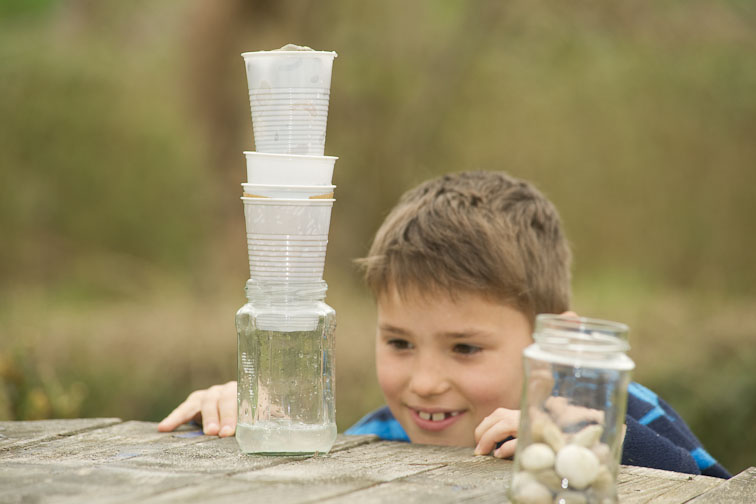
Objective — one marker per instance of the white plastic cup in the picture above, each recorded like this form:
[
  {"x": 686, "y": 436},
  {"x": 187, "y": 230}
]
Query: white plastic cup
[
  {"x": 289, "y": 94},
  {"x": 289, "y": 169},
  {"x": 288, "y": 191}
]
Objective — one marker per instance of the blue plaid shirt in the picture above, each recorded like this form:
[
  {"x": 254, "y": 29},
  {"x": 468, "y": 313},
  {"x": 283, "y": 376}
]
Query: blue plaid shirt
[{"x": 656, "y": 437}]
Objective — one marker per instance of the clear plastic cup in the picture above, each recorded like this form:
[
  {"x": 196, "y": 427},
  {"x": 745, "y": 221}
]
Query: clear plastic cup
[
  {"x": 288, "y": 191},
  {"x": 304, "y": 217},
  {"x": 289, "y": 169},
  {"x": 287, "y": 238},
  {"x": 289, "y": 94},
  {"x": 286, "y": 258}
]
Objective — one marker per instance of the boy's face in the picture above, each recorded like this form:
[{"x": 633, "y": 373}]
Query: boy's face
[{"x": 445, "y": 365}]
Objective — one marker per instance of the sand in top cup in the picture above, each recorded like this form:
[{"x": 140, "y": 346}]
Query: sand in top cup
[
  {"x": 288, "y": 191},
  {"x": 289, "y": 92}
]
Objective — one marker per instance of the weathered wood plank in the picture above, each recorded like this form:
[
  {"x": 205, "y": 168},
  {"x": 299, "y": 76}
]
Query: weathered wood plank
[
  {"x": 740, "y": 488},
  {"x": 95, "y": 461},
  {"x": 214, "y": 456},
  {"x": 470, "y": 479},
  {"x": 23, "y": 433},
  {"x": 103, "y": 467},
  {"x": 22, "y": 483},
  {"x": 641, "y": 485},
  {"x": 378, "y": 461},
  {"x": 222, "y": 456},
  {"x": 113, "y": 443},
  {"x": 346, "y": 442},
  {"x": 317, "y": 478}
]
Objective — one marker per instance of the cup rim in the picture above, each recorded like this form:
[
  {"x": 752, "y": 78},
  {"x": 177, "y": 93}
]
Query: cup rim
[
  {"x": 253, "y": 154},
  {"x": 279, "y": 92},
  {"x": 287, "y": 186},
  {"x": 288, "y": 201},
  {"x": 276, "y": 52}
]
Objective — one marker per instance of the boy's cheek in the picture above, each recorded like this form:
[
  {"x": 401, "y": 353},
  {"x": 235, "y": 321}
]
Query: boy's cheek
[{"x": 389, "y": 376}]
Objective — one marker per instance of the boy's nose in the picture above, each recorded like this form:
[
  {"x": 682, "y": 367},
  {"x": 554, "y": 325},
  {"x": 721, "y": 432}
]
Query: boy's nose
[{"x": 428, "y": 378}]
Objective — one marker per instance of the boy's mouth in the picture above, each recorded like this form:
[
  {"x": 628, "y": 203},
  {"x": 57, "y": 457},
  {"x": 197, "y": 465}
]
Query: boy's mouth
[{"x": 435, "y": 420}]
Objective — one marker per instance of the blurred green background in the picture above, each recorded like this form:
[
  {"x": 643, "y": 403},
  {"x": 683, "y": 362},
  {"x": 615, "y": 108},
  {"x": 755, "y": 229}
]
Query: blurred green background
[{"x": 122, "y": 246}]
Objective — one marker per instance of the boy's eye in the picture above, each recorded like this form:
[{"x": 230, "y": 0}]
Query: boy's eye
[
  {"x": 399, "y": 344},
  {"x": 465, "y": 349}
]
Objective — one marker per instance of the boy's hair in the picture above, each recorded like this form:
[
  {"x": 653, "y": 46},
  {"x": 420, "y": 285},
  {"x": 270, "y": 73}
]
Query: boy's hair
[{"x": 474, "y": 232}]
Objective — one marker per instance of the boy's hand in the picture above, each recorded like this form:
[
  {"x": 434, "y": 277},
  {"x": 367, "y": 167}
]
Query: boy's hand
[
  {"x": 214, "y": 408},
  {"x": 497, "y": 427}
]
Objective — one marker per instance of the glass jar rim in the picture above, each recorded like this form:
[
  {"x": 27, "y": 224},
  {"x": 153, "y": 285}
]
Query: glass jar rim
[
  {"x": 581, "y": 334},
  {"x": 570, "y": 322}
]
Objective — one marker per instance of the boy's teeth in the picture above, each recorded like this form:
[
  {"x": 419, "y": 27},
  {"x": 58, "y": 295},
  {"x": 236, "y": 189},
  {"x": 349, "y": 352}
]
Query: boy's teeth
[{"x": 436, "y": 417}]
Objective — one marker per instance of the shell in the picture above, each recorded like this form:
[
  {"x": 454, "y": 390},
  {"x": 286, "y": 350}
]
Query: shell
[
  {"x": 578, "y": 464},
  {"x": 550, "y": 479},
  {"x": 522, "y": 478},
  {"x": 604, "y": 482},
  {"x": 553, "y": 436},
  {"x": 540, "y": 385},
  {"x": 532, "y": 493},
  {"x": 588, "y": 436},
  {"x": 537, "y": 424},
  {"x": 602, "y": 451},
  {"x": 536, "y": 457}
]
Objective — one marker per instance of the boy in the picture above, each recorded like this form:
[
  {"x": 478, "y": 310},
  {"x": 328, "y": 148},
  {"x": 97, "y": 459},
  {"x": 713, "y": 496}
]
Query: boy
[{"x": 459, "y": 269}]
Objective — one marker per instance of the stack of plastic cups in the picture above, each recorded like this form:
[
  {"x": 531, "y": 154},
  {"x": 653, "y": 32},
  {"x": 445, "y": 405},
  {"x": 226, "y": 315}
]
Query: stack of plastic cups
[
  {"x": 288, "y": 195},
  {"x": 287, "y": 199}
]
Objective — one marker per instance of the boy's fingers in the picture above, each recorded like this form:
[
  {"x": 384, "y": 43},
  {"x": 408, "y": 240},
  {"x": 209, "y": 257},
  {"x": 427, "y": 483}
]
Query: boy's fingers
[
  {"x": 496, "y": 427},
  {"x": 506, "y": 450},
  {"x": 495, "y": 434},
  {"x": 487, "y": 423},
  {"x": 499, "y": 415},
  {"x": 227, "y": 409},
  {"x": 184, "y": 412},
  {"x": 210, "y": 422}
]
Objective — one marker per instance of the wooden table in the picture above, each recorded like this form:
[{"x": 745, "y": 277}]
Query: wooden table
[{"x": 106, "y": 460}]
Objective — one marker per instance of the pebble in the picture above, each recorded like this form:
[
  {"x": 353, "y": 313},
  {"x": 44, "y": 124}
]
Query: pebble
[
  {"x": 563, "y": 468},
  {"x": 532, "y": 493},
  {"x": 550, "y": 479},
  {"x": 604, "y": 482},
  {"x": 589, "y": 436},
  {"x": 522, "y": 478},
  {"x": 540, "y": 385},
  {"x": 537, "y": 425},
  {"x": 578, "y": 464},
  {"x": 538, "y": 456},
  {"x": 602, "y": 451},
  {"x": 553, "y": 436}
]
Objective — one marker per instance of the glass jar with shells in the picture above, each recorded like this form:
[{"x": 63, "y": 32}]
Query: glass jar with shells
[{"x": 572, "y": 412}]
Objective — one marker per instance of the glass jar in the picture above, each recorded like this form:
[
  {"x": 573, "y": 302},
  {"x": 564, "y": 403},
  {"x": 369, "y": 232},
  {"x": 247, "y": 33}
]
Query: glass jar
[
  {"x": 572, "y": 413},
  {"x": 285, "y": 387}
]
